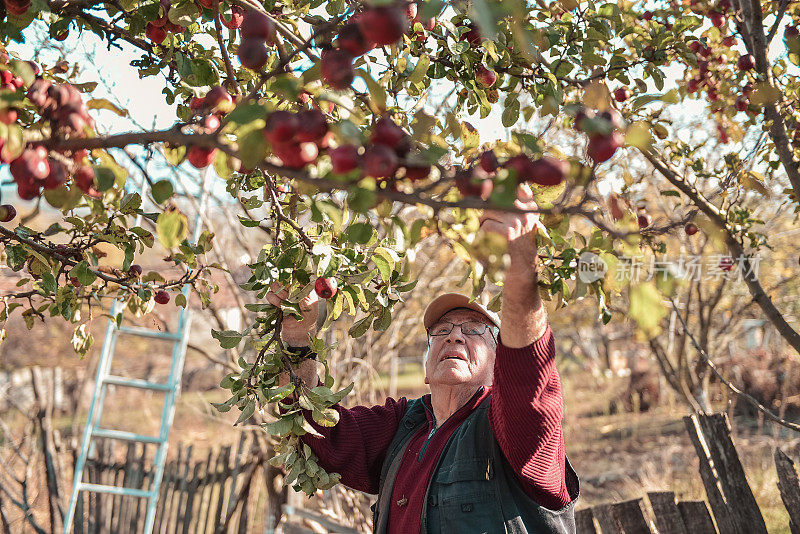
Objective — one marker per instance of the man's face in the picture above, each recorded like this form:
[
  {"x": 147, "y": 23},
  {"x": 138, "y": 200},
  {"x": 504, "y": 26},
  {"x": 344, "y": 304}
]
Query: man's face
[{"x": 458, "y": 358}]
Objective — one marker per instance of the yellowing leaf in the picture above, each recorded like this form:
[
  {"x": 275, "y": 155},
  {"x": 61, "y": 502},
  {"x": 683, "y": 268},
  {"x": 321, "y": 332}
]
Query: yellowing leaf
[
  {"x": 647, "y": 308},
  {"x": 172, "y": 227}
]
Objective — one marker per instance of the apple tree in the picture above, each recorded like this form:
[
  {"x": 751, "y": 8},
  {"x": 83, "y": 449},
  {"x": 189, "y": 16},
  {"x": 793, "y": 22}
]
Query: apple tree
[{"x": 322, "y": 118}]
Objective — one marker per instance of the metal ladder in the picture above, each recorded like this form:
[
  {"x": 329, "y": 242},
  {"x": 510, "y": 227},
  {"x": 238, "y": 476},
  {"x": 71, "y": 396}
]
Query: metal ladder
[{"x": 171, "y": 389}]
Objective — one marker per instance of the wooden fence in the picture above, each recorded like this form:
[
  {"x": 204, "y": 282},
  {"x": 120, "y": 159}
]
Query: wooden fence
[
  {"x": 732, "y": 510},
  {"x": 225, "y": 491}
]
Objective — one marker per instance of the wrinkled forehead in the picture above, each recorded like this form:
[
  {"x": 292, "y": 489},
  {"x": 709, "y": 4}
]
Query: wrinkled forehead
[{"x": 463, "y": 314}]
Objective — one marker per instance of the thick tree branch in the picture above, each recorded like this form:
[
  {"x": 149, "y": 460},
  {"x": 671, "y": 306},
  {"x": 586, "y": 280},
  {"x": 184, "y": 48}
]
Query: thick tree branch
[{"x": 735, "y": 247}]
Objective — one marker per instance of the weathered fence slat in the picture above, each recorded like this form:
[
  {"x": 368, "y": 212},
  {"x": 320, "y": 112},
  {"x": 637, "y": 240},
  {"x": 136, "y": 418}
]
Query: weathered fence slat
[
  {"x": 728, "y": 491},
  {"x": 222, "y": 479},
  {"x": 631, "y": 517},
  {"x": 205, "y": 494},
  {"x": 584, "y": 522},
  {"x": 605, "y": 518},
  {"x": 182, "y": 498},
  {"x": 696, "y": 517},
  {"x": 665, "y": 509},
  {"x": 789, "y": 487},
  {"x": 191, "y": 495}
]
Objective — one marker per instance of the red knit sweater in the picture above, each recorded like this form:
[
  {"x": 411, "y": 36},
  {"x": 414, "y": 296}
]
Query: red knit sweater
[{"x": 525, "y": 413}]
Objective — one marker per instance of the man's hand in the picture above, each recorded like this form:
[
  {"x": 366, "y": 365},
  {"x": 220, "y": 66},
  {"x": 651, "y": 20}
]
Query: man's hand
[
  {"x": 523, "y": 318},
  {"x": 296, "y": 332},
  {"x": 519, "y": 229}
]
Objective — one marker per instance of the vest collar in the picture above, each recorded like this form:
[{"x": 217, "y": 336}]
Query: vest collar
[{"x": 481, "y": 393}]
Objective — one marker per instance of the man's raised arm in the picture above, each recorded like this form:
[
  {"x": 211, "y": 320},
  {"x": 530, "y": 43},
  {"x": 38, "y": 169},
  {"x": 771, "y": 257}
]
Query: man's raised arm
[{"x": 527, "y": 407}]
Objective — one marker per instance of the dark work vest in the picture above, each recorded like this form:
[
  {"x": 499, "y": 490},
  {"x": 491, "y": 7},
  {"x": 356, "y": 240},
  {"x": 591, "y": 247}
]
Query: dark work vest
[{"x": 473, "y": 488}]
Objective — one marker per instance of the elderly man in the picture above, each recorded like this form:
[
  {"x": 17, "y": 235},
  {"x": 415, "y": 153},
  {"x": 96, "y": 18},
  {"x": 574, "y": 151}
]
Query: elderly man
[{"x": 484, "y": 451}]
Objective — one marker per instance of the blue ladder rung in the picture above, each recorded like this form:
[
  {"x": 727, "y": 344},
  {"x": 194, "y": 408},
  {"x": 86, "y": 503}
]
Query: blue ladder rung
[
  {"x": 136, "y": 383},
  {"x": 127, "y": 436},
  {"x": 100, "y": 488},
  {"x": 146, "y": 332}
]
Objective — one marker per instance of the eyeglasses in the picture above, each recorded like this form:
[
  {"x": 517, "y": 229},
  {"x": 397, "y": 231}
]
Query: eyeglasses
[{"x": 470, "y": 328}]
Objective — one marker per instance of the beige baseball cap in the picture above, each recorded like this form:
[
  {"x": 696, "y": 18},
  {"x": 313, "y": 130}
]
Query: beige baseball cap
[{"x": 444, "y": 303}]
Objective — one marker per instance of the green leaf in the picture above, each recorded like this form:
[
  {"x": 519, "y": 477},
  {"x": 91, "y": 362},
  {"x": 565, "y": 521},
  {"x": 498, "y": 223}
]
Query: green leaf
[
  {"x": 172, "y": 227},
  {"x": 420, "y": 69},
  {"x": 327, "y": 417},
  {"x": 376, "y": 91},
  {"x": 180, "y": 300},
  {"x": 162, "y": 190},
  {"x": 281, "y": 427},
  {"x": 647, "y": 308},
  {"x": 384, "y": 267},
  {"x": 228, "y": 339},
  {"x": 360, "y": 327},
  {"x": 247, "y": 412},
  {"x": 359, "y": 232},
  {"x": 104, "y": 178},
  {"x": 83, "y": 274},
  {"x": 383, "y": 321}
]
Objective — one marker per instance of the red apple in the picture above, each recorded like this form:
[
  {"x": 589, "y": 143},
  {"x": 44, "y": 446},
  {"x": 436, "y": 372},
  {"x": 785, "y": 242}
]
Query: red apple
[
  {"x": 472, "y": 35},
  {"x": 383, "y": 25},
  {"x": 312, "y": 126},
  {"x": 252, "y": 53},
  {"x": 523, "y": 166},
  {"x": 647, "y": 15},
  {"x": 695, "y": 46},
  {"x": 84, "y": 179},
  {"x": 379, "y": 161},
  {"x": 726, "y": 263},
  {"x": 344, "y": 158},
  {"x": 336, "y": 68},
  {"x": 690, "y": 228},
  {"x": 724, "y": 5},
  {"x": 237, "y": 17},
  {"x": 387, "y": 132},
  {"x": 549, "y": 171},
  {"x": 791, "y": 33},
  {"x": 256, "y": 25},
  {"x": 747, "y": 89},
  {"x": 622, "y": 94},
  {"x": 470, "y": 185},
  {"x": 28, "y": 191},
  {"x": 729, "y": 41},
  {"x": 325, "y": 287},
  {"x": 643, "y": 220},
  {"x": 488, "y": 161},
  {"x": 416, "y": 172},
  {"x": 693, "y": 85},
  {"x": 58, "y": 174},
  {"x": 741, "y": 103},
  {"x": 281, "y": 127},
  {"x": 486, "y": 77},
  {"x": 294, "y": 155},
  {"x": 155, "y": 33},
  {"x": 161, "y": 297},
  {"x": 745, "y": 62},
  {"x": 717, "y": 19},
  {"x": 201, "y": 156},
  {"x": 31, "y": 165},
  {"x": 218, "y": 97},
  {"x": 351, "y": 39},
  {"x": 7, "y": 213},
  {"x": 135, "y": 270},
  {"x": 602, "y": 147}
]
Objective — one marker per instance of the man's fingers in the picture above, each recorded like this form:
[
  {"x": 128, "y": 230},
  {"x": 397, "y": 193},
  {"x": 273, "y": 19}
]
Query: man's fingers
[
  {"x": 524, "y": 192},
  {"x": 273, "y": 299},
  {"x": 495, "y": 226},
  {"x": 309, "y": 301}
]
